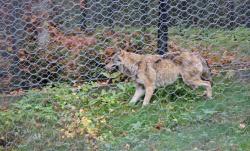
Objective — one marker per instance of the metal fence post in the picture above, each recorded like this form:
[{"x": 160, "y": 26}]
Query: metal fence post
[
  {"x": 84, "y": 5},
  {"x": 144, "y": 10},
  {"x": 163, "y": 26}
]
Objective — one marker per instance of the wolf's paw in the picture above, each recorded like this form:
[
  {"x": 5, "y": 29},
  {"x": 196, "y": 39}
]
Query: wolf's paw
[
  {"x": 132, "y": 103},
  {"x": 207, "y": 97},
  {"x": 145, "y": 104}
]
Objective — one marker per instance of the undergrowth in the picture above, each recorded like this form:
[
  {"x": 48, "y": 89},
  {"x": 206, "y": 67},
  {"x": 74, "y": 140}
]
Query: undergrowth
[{"x": 88, "y": 117}]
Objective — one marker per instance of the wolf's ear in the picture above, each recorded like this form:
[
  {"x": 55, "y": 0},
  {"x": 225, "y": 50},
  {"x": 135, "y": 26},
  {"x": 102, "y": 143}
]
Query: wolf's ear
[{"x": 109, "y": 52}]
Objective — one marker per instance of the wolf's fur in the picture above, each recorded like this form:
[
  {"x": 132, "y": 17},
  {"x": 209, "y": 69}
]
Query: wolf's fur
[{"x": 152, "y": 71}]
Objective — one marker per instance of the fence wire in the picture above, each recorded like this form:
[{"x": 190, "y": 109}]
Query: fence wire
[{"x": 52, "y": 58}]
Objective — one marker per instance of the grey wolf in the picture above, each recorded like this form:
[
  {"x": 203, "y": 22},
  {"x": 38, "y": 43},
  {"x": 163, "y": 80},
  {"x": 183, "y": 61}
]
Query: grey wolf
[{"x": 152, "y": 71}]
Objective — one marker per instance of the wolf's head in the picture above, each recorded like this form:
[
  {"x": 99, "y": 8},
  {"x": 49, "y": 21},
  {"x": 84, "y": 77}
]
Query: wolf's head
[{"x": 116, "y": 60}]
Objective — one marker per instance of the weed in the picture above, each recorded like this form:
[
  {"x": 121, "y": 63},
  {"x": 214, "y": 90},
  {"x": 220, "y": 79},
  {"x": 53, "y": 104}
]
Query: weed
[{"x": 89, "y": 118}]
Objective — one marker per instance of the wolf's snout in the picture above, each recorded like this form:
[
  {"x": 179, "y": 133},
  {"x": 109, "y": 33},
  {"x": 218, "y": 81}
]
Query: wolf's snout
[{"x": 109, "y": 67}]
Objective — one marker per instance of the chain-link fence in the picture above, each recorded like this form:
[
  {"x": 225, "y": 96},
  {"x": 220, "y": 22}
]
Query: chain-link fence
[{"x": 52, "y": 58}]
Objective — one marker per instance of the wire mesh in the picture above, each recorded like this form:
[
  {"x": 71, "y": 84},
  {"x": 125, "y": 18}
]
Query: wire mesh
[{"x": 56, "y": 94}]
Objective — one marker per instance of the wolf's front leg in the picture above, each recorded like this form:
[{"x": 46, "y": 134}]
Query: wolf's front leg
[
  {"x": 139, "y": 92},
  {"x": 148, "y": 95}
]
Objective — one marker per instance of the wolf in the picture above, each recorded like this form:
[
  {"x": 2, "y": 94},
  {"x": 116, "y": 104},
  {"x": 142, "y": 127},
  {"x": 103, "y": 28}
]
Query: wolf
[{"x": 152, "y": 71}]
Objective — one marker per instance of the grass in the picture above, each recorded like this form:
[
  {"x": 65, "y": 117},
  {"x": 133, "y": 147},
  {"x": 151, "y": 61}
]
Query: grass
[
  {"x": 216, "y": 39},
  {"x": 62, "y": 117},
  {"x": 88, "y": 118}
]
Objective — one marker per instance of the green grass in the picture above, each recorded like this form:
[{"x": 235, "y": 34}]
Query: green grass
[
  {"x": 88, "y": 117},
  {"x": 217, "y": 39},
  {"x": 177, "y": 119},
  {"x": 214, "y": 39}
]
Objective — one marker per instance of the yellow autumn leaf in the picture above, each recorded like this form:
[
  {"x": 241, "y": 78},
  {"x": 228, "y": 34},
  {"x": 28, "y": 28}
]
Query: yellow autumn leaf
[
  {"x": 103, "y": 121},
  {"x": 81, "y": 110},
  {"x": 9, "y": 49},
  {"x": 85, "y": 121},
  {"x": 92, "y": 131}
]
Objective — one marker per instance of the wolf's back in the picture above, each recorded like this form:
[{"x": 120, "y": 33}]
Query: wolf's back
[{"x": 185, "y": 59}]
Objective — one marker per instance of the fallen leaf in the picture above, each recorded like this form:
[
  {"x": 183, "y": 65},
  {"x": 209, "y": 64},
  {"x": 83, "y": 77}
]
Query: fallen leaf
[
  {"x": 127, "y": 146},
  {"x": 242, "y": 126},
  {"x": 159, "y": 125}
]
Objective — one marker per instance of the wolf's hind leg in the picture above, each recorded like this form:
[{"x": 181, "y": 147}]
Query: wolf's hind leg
[
  {"x": 208, "y": 87},
  {"x": 195, "y": 81},
  {"x": 206, "y": 84},
  {"x": 139, "y": 92},
  {"x": 148, "y": 95},
  {"x": 189, "y": 81}
]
